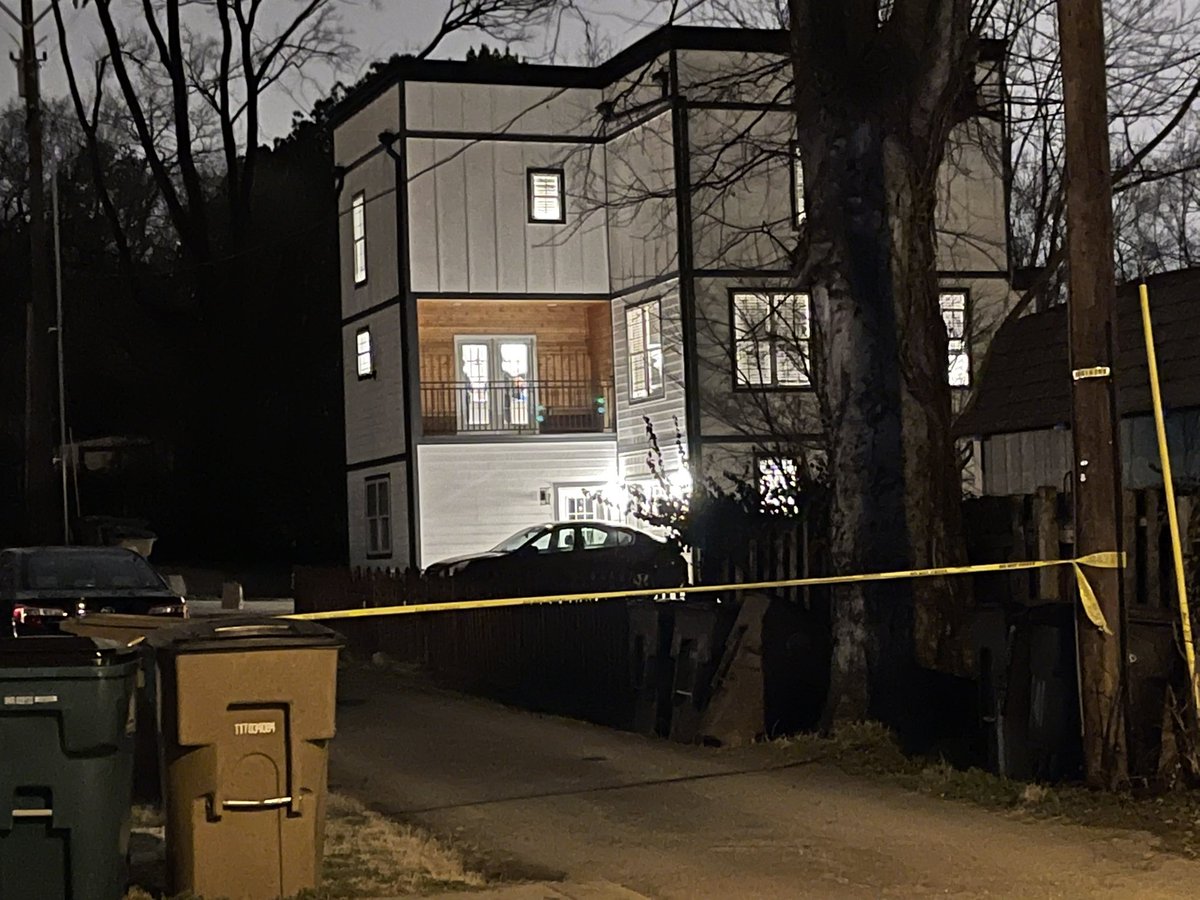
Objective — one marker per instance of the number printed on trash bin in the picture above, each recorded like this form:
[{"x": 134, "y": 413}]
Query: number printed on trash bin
[{"x": 253, "y": 727}]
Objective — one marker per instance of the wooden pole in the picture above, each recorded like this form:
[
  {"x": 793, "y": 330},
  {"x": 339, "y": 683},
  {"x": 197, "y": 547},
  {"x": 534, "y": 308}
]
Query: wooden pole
[{"x": 1092, "y": 301}]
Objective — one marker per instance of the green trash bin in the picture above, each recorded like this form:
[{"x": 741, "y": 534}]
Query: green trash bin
[
  {"x": 67, "y": 722},
  {"x": 246, "y": 714}
]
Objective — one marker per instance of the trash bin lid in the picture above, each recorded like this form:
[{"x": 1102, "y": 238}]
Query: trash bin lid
[
  {"x": 46, "y": 651},
  {"x": 235, "y": 634}
]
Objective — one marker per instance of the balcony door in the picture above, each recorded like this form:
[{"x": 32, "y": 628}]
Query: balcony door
[{"x": 496, "y": 378}]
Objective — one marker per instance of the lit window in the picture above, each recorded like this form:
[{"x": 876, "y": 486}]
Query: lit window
[
  {"x": 546, "y": 199},
  {"x": 954, "y": 313},
  {"x": 379, "y": 516},
  {"x": 643, "y": 332},
  {"x": 358, "y": 216},
  {"x": 771, "y": 336},
  {"x": 366, "y": 363},
  {"x": 778, "y": 486},
  {"x": 797, "y": 186}
]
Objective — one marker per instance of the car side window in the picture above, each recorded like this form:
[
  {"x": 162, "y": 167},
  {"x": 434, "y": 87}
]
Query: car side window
[
  {"x": 560, "y": 540},
  {"x": 594, "y": 538}
]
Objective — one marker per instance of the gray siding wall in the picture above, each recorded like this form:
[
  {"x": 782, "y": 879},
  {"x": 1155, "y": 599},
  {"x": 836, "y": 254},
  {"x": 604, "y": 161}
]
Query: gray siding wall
[
  {"x": 643, "y": 224},
  {"x": 662, "y": 411},
  {"x": 356, "y": 501},
  {"x": 742, "y": 212},
  {"x": 359, "y": 135},
  {"x": 492, "y": 108},
  {"x": 376, "y": 179},
  {"x": 469, "y": 225},
  {"x": 375, "y": 419},
  {"x": 466, "y": 506}
]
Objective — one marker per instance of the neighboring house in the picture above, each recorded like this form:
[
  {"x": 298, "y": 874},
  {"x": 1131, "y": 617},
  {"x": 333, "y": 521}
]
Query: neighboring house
[
  {"x": 574, "y": 250},
  {"x": 1020, "y": 417}
]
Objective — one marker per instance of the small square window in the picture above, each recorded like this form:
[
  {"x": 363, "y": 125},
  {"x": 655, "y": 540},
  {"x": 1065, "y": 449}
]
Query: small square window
[
  {"x": 358, "y": 217},
  {"x": 547, "y": 201},
  {"x": 366, "y": 359}
]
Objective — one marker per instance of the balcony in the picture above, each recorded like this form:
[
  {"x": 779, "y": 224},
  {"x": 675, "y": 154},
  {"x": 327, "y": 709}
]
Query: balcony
[
  {"x": 515, "y": 367},
  {"x": 516, "y": 407}
]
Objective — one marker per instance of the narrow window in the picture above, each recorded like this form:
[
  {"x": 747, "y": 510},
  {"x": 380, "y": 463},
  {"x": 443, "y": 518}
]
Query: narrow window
[
  {"x": 366, "y": 362},
  {"x": 771, "y": 339},
  {"x": 643, "y": 332},
  {"x": 379, "y": 516},
  {"x": 798, "y": 211},
  {"x": 359, "y": 218},
  {"x": 954, "y": 314},
  {"x": 778, "y": 485},
  {"x": 547, "y": 202}
]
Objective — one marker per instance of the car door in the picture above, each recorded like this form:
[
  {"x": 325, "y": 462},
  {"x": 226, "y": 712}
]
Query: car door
[
  {"x": 552, "y": 569},
  {"x": 605, "y": 562}
]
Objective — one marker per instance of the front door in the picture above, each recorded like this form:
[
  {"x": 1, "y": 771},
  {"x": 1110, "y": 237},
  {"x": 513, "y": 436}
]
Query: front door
[{"x": 496, "y": 391}]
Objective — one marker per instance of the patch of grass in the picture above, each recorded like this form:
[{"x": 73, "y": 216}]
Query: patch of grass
[
  {"x": 366, "y": 855},
  {"x": 870, "y": 750}
]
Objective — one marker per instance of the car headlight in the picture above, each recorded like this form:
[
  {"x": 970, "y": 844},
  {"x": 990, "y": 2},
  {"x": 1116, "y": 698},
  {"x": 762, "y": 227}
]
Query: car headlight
[
  {"x": 24, "y": 614},
  {"x": 170, "y": 609}
]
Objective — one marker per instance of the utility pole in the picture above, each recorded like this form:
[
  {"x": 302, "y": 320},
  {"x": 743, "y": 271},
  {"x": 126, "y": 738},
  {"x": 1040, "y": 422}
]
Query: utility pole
[
  {"x": 38, "y": 482},
  {"x": 1091, "y": 310}
]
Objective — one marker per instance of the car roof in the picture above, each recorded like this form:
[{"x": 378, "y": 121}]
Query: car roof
[{"x": 80, "y": 550}]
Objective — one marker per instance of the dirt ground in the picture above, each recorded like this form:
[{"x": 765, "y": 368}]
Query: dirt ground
[{"x": 529, "y": 798}]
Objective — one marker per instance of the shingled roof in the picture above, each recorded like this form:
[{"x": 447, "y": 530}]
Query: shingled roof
[{"x": 1026, "y": 382}]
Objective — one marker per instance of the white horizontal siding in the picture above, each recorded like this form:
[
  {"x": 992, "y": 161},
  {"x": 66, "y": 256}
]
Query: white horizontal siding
[
  {"x": 475, "y": 495},
  {"x": 663, "y": 412}
]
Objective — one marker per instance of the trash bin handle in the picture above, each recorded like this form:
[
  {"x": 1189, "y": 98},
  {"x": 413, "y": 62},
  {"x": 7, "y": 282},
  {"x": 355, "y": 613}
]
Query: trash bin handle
[
  {"x": 32, "y": 813},
  {"x": 269, "y": 803}
]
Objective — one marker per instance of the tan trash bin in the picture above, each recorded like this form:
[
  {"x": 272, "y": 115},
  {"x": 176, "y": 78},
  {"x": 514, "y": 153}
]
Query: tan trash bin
[{"x": 245, "y": 714}]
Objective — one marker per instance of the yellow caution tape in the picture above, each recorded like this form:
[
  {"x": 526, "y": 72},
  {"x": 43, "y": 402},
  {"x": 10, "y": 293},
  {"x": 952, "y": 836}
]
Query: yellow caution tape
[{"x": 1104, "y": 560}]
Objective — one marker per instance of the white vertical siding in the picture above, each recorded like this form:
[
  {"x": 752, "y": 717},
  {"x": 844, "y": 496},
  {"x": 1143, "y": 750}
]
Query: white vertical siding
[
  {"x": 469, "y": 221},
  {"x": 492, "y": 108},
  {"x": 375, "y": 420},
  {"x": 475, "y": 495},
  {"x": 356, "y": 502}
]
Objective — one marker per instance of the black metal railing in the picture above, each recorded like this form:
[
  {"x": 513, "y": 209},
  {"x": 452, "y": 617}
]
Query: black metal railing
[{"x": 516, "y": 407}]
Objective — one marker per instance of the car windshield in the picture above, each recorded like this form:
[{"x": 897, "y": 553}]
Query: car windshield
[
  {"x": 518, "y": 540},
  {"x": 56, "y": 570}
]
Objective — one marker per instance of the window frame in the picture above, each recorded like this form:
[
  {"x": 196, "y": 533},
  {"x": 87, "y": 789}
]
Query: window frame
[
  {"x": 773, "y": 385},
  {"x": 381, "y": 484},
  {"x": 358, "y": 354},
  {"x": 966, "y": 338},
  {"x": 530, "y": 174},
  {"x": 652, "y": 392},
  {"x": 799, "y": 211},
  {"x": 358, "y": 203}
]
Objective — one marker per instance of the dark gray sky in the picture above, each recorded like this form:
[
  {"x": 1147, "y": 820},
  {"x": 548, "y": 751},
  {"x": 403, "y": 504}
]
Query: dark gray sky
[{"x": 380, "y": 28}]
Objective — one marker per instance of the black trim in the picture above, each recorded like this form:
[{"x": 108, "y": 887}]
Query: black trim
[
  {"x": 410, "y": 364},
  {"x": 515, "y": 137},
  {"x": 773, "y": 388},
  {"x": 465, "y": 296},
  {"x": 756, "y": 438},
  {"x": 974, "y": 274},
  {"x": 654, "y": 112},
  {"x": 653, "y": 45},
  {"x": 366, "y": 157},
  {"x": 644, "y": 285},
  {"x": 532, "y": 173},
  {"x": 743, "y": 273},
  {"x": 370, "y": 311},
  {"x": 661, "y": 390},
  {"x": 366, "y": 329},
  {"x": 685, "y": 253},
  {"x": 373, "y": 463}
]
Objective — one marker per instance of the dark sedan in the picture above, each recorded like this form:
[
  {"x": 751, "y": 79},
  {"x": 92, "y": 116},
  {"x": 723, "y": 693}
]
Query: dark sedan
[
  {"x": 42, "y": 586},
  {"x": 562, "y": 558}
]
